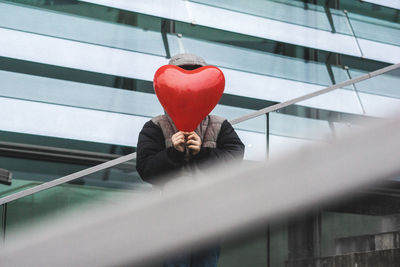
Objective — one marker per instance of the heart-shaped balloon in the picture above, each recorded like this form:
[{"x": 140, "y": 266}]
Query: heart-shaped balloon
[{"x": 188, "y": 96}]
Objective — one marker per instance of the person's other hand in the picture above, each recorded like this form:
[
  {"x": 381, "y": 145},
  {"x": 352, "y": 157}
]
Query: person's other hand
[
  {"x": 178, "y": 141},
  {"x": 193, "y": 142}
]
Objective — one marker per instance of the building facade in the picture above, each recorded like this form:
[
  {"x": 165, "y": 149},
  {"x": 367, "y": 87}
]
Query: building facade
[{"x": 76, "y": 89}]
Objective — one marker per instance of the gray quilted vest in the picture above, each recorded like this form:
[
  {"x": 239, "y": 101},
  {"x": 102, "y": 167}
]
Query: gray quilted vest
[{"x": 208, "y": 129}]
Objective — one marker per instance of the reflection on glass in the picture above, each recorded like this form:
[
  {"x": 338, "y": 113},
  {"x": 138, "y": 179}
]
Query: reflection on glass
[
  {"x": 385, "y": 84},
  {"x": 28, "y": 173},
  {"x": 103, "y": 187},
  {"x": 377, "y": 96},
  {"x": 330, "y": 237},
  {"x": 286, "y": 133},
  {"x": 279, "y": 243},
  {"x": 122, "y": 176},
  {"x": 341, "y": 231},
  {"x": 250, "y": 251},
  {"x": 299, "y": 127},
  {"x": 289, "y": 133},
  {"x": 31, "y": 172},
  {"x": 253, "y": 135},
  {"x": 373, "y": 97},
  {"x": 37, "y": 208},
  {"x": 375, "y": 29},
  {"x": 17, "y": 186}
]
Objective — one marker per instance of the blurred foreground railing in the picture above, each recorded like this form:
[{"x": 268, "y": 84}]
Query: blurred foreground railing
[{"x": 226, "y": 201}]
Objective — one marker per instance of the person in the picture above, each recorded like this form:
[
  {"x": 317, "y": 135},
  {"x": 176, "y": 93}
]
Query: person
[{"x": 164, "y": 153}]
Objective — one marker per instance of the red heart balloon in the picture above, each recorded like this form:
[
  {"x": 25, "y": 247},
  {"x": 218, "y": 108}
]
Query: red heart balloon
[{"x": 188, "y": 96}]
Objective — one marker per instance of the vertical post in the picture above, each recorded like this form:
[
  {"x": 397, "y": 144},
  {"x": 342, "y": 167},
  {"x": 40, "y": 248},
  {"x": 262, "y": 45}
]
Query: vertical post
[
  {"x": 268, "y": 225},
  {"x": 301, "y": 240},
  {"x": 352, "y": 32},
  {"x": 4, "y": 223},
  {"x": 355, "y": 91},
  {"x": 329, "y": 68},
  {"x": 268, "y": 245},
  {"x": 267, "y": 134},
  {"x": 329, "y": 16},
  {"x": 317, "y": 237},
  {"x": 167, "y": 26}
]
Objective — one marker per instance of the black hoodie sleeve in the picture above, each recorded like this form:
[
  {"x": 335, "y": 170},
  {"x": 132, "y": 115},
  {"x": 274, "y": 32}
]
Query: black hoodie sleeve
[
  {"x": 153, "y": 158},
  {"x": 229, "y": 146}
]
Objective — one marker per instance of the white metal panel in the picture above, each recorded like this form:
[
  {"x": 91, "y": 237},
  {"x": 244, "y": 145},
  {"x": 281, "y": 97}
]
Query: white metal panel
[
  {"x": 380, "y": 107},
  {"x": 387, "y": 3},
  {"x": 172, "y": 9},
  {"x": 69, "y": 122},
  {"x": 380, "y": 51}
]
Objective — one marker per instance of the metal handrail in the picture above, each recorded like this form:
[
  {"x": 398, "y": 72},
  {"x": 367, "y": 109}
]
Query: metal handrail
[
  {"x": 314, "y": 94},
  {"x": 132, "y": 156},
  {"x": 67, "y": 178}
]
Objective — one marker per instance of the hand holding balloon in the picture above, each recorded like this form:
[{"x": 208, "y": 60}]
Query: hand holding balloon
[
  {"x": 193, "y": 143},
  {"x": 178, "y": 141},
  {"x": 189, "y": 139}
]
